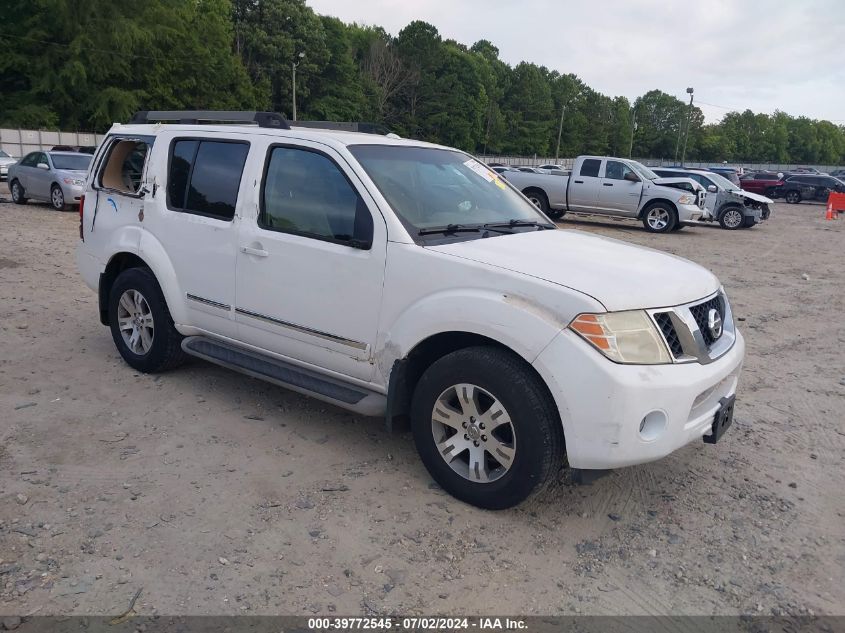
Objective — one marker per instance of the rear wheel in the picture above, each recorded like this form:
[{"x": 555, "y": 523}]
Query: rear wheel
[
  {"x": 57, "y": 198},
  {"x": 538, "y": 199},
  {"x": 18, "y": 193},
  {"x": 731, "y": 218},
  {"x": 141, "y": 325},
  {"x": 660, "y": 218},
  {"x": 793, "y": 197},
  {"x": 486, "y": 428}
]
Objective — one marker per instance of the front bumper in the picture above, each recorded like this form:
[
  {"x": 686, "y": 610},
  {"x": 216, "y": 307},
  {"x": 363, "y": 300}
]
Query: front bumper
[
  {"x": 4, "y": 173},
  {"x": 602, "y": 404},
  {"x": 689, "y": 212},
  {"x": 73, "y": 193}
]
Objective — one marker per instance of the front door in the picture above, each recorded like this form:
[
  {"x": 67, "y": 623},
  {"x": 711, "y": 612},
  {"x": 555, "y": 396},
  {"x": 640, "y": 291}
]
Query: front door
[
  {"x": 617, "y": 194},
  {"x": 311, "y": 262}
]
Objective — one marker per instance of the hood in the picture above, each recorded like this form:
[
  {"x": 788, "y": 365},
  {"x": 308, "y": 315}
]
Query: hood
[
  {"x": 7, "y": 161},
  {"x": 621, "y": 276},
  {"x": 756, "y": 197},
  {"x": 72, "y": 173},
  {"x": 671, "y": 181}
]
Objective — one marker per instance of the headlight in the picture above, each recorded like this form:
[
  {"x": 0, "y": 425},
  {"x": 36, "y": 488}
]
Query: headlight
[
  {"x": 74, "y": 181},
  {"x": 624, "y": 337},
  {"x": 686, "y": 199}
]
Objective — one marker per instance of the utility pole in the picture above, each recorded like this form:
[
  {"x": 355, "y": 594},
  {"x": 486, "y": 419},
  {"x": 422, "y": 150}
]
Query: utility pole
[
  {"x": 293, "y": 66},
  {"x": 559, "y": 132},
  {"x": 633, "y": 129},
  {"x": 689, "y": 121}
]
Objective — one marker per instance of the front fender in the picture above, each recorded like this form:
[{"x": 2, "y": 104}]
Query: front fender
[{"x": 523, "y": 325}]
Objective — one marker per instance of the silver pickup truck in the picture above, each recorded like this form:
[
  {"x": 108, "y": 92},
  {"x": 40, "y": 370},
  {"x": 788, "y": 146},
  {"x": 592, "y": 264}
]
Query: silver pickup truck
[{"x": 616, "y": 187}]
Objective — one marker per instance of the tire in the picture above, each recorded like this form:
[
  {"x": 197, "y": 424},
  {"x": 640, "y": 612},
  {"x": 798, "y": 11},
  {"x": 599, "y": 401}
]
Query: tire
[
  {"x": 660, "y": 217},
  {"x": 731, "y": 218},
  {"x": 538, "y": 199},
  {"x": 18, "y": 192},
  {"x": 792, "y": 196},
  {"x": 57, "y": 198},
  {"x": 532, "y": 435},
  {"x": 160, "y": 349},
  {"x": 556, "y": 214},
  {"x": 748, "y": 222},
  {"x": 771, "y": 192},
  {"x": 678, "y": 227}
]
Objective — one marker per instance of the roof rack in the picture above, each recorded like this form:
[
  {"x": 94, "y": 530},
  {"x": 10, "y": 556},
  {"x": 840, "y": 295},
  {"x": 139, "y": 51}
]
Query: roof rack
[
  {"x": 344, "y": 126},
  {"x": 194, "y": 117}
]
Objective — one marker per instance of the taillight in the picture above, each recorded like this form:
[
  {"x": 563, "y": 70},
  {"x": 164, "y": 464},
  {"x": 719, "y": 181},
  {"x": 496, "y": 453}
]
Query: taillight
[{"x": 81, "y": 214}]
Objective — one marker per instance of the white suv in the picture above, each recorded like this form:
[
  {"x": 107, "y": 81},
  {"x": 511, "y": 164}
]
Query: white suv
[{"x": 400, "y": 278}]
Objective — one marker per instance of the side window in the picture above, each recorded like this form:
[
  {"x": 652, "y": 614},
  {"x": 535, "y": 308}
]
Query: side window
[
  {"x": 305, "y": 193},
  {"x": 31, "y": 160},
  {"x": 42, "y": 158},
  {"x": 590, "y": 167},
  {"x": 123, "y": 167},
  {"x": 614, "y": 170},
  {"x": 204, "y": 176}
]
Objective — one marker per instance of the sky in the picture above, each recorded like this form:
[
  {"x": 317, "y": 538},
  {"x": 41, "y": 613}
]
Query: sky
[{"x": 737, "y": 54}]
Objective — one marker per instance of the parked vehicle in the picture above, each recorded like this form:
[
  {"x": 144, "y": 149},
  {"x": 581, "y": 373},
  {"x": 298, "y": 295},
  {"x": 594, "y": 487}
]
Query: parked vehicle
[
  {"x": 5, "y": 161},
  {"x": 56, "y": 177},
  {"x": 727, "y": 204},
  {"x": 84, "y": 149},
  {"x": 617, "y": 187},
  {"x": 838, "y": 173},
  {"x": 731, "y": 173},
  {"x": 526, "y": 169},
  {"x": 500, "y": 169},
  {"x": 765, "y": 183},
  {"x": 507, "y": 341},
  {"x": 810, "y": 187}
]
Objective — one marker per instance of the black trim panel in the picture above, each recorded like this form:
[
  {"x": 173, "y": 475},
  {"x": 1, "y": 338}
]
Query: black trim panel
[{"x": 208, "y": 302}]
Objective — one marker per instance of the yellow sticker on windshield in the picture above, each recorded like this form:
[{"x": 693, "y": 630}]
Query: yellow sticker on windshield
[{"x": 500, "y": 184}]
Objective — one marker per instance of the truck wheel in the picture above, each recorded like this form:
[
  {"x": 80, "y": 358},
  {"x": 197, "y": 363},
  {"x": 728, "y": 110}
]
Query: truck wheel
[
  {"x": 556, "y": 214},
  {"x": 538, "y": 199},
  {"x": 486, "y": 428},
  {"x": 18, "y": 193},
  {"x": 731, "y": 218},
  {"x": 140, "y": 322},
  {"x": 660, "y": 218},
  {"x": 793, "y": 197}
]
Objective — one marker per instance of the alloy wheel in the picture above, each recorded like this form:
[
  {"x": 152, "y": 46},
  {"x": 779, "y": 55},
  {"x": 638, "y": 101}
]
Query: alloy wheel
[
  {"x": 473, "y": 433},
  {"x": 658, "y": 218},
  {"x": 135, "y": 321},
  {"x": 57, "y": 198},
  {"x": 733, "y": 218}
]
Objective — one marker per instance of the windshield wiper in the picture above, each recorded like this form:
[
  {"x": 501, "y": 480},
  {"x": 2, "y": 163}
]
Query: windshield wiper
[
  {"x": 517, "y": 223},
  {"x": 449, "y": 228}
]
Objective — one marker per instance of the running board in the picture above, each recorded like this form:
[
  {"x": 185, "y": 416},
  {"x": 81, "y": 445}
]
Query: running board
[{"x": 286, "y": 375}]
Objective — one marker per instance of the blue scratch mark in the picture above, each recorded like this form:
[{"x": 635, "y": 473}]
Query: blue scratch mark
[{"x": 110, "y": 200}]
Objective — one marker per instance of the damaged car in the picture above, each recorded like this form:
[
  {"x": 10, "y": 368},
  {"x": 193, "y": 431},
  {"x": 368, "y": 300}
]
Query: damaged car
[{"x": 733, "y": 208}]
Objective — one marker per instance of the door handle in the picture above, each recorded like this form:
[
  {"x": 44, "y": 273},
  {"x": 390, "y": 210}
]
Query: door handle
[
  {"x": 258, "y": 252},
  {"x": 607, "y": 184},
  {"x": 579, "y": 182}
]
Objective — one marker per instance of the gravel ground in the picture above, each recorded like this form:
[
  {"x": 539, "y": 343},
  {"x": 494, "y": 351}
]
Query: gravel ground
[{"x": 219, "y": 494}]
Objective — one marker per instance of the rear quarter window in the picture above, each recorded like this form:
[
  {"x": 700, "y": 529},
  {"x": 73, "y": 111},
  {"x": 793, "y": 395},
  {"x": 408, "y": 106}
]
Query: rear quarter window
[{"x": 590, "y": 167}]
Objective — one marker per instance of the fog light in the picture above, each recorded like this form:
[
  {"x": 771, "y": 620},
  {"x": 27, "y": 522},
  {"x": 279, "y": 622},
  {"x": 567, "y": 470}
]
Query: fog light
[{"x": 652, "y": 425}]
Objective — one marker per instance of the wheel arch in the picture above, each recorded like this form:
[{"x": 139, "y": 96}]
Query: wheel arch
[{"x": 655, "y": 201}]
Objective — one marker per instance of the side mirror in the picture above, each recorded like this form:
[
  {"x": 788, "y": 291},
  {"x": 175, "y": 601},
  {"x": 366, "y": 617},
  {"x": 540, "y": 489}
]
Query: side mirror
[
  {"x": 43, "y": 166},
  {"x": 712, "y": 189},
  {"x": 631, "y": 177}
]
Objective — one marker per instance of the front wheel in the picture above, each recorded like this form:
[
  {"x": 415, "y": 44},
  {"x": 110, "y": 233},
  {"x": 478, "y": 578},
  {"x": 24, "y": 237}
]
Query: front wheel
[
  {"x": 793, "y": 197},
  {"x": 660, "y": 218},
  {"x": 486, "y": 428},
  {"x": 731, "y": 218},
  {"x": 57, "y": 198},
  {"x": 18, "y": 193},
  {"x": 141, "y": 325}
]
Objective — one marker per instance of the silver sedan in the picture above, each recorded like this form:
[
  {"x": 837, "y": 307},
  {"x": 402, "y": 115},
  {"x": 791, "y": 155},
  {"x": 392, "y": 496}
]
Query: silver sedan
[{"x": 57, "y": 177}]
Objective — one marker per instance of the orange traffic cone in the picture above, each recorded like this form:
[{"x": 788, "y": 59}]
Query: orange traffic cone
[{"x": 830, "y": 213}]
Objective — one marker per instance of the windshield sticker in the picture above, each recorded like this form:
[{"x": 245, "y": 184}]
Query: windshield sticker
[
  {"x": 481, "y": 170},
  {"x": 500, "y": 183}
]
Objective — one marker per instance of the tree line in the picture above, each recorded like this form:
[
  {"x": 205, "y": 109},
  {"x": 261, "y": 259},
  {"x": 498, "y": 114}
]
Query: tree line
[{"x": 83, "y": 64}]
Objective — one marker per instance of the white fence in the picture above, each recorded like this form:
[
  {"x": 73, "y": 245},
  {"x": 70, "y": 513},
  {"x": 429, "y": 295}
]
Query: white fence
[
  {"x": 654, "y": 162},
  {"x": 20, "y": 142}
]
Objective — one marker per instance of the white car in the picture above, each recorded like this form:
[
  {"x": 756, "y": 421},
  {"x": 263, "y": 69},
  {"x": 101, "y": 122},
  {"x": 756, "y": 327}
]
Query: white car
[
  {"x": 5, "y": 162},
  {"x": 399, "y": 278}
]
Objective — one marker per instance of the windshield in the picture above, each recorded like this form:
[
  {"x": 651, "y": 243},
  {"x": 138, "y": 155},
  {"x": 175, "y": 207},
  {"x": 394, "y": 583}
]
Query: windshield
[
  {"x": 429, "y": 187},
  {"x": 722, "y": 182},
  {"x": 73, "y": 162},
  {"x": 642, "y": 170},
  {"x": 4, "y": 154}
]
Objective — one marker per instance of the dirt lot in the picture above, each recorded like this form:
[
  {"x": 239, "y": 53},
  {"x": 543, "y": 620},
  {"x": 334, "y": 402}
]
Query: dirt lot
[{"x": 220, "y": 494}]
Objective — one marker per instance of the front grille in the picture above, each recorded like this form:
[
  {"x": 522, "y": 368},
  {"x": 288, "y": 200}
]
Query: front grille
[
  {"x": 664, "y": 322},
  {"x": 700, "y": 312}
]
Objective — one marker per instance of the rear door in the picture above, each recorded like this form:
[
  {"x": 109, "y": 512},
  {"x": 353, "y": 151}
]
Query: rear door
[
  {"x": 584, "y": 186},
  {"x": 25, "y": 168},
  {"x": 39, "y": 178},
  {"x": 617, "y": 195}
]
